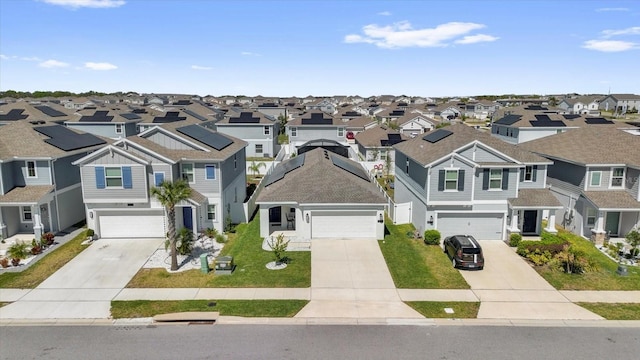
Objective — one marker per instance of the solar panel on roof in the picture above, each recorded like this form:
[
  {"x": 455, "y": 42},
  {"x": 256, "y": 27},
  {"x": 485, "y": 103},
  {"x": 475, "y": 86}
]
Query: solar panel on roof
[
  {"x": 244, "y": 118},
  {"x": 139, "y": 111},
  {"x": 98, "y": 116},
  {"x": 435, "y": 136},
  {"x": 349, "y": 166},
  {"x": 509, "y": 120},
  {"x": 50, "y": 111},
  {"x": 67, "y": 140},
  {"x": 13, "y": 115},
  {"x": 317, "y": 119},
  {"x": 170, "y": 116},
  {"x": 535, "y": 107},
  {"x": 213, "y": 139},
  {"x": 571, "y": 116},
  {"x": 182, "y": 102},
  {"x": 542, "y": 117},
  {"x": 284, "y": 168},
  {"x": 547, "y": 123},
  {"x": 131, "y": 116},
  {"x": 592, "y": 121},
  {"x": 195, "y": 115},
  {"x": 53, "y": 131}
]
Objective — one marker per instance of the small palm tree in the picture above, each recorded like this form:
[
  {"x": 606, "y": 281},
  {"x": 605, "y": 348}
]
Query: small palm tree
[
  {"x": 169, "y": 194},
  {"x": 255, "y": 167}
]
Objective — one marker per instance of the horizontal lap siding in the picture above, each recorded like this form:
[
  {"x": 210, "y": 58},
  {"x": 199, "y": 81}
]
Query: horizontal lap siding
[
  {"x": 137, "y": 192},
  {"x": 464, "y": 195},
  {"x": 510, "y": 192}
]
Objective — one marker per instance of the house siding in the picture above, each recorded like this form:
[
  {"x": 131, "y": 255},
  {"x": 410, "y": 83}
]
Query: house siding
[
  {"x": 168, "y": 142},
  {"x": 632, "y": 183},
  {"x": 567, "y": 172},
  {"x": 464, "y": 195},
  {"x": 401, "y": 159},
  {"x": 137, "y": 193},
  {"x": 308, "y": 133},
  {"x": 230, "y": 171},
  {"x": 11, "y": 218},
  {"x": 481, "y": 155},
  {"x": 155, "y": 168},
  {"x": 511, "y": 191},
  {"x": 7, "y": 177},
  {"x": 66, "y": 174},
  {"x": 254, "y": 135},
  {"x": 201, "y": 184},
  {"x": 70, "y": 206},
  {"x": 539, "y": 176},
  {"x": 105, "y": 130}
]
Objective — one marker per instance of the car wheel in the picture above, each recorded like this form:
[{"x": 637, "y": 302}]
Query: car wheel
[{"x": 453, "y": 261}]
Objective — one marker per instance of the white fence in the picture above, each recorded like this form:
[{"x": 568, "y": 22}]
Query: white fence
[
  {"x": 250, "y": 205},
  {"x": 398, "y": 213}
]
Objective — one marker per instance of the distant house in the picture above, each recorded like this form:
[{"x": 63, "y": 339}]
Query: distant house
[
  {"x": 78, "y": 103},
  {"x": 314, "y": 126},
  {"x": 376, "y": 144},
  {"x": 108, "y": 122},
  {"x": 325, "y": 105},
  {"x": 258, "y": 130},
  {"x": 413, "y": 124},
  {"x": 620, "y": 103},
  {"x": 582, "y": 105}
]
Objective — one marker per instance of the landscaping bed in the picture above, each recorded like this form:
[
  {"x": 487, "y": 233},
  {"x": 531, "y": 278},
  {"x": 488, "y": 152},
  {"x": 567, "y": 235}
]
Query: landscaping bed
[{"x": 414, "y": 265}]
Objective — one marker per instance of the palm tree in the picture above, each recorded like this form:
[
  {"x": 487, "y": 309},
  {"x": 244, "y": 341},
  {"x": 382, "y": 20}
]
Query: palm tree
[
  {"x": 255, "y": 167},
  {"x": 169, "y": 194}
]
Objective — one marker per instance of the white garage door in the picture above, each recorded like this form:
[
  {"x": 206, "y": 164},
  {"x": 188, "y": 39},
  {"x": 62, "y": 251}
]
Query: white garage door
[
  {"x": 133, "y": 225},
  {"x": 343, "y": 225},
  {"x": 480, "y": 226}
]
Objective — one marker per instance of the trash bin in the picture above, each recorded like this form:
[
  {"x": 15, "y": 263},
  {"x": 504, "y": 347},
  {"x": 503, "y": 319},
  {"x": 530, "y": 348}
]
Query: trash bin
[
  {"x": 204, "y": 264},
  {"x": 224, "y": 265}
]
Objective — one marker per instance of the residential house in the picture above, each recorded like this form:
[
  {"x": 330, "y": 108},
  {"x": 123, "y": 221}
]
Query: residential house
[
  {"x": 582, "y": 105},
  {"x": 260, "y": 131},
  {"x": 376, "y": 144},
  {"x": 117, "y": 179},
  {"x": 480, "y": 110},
  {"x": 313, "y": 126},
  {"x": 595, "y": 175},
  {"x": 33, "y": 112},
  {"x": 325, "y": 105},
  {"x": 78, "y": 103},
  {"x": 459, "y": 180},
  {"x": 320, "y": 194},
  {"x": 620, "y": 103},
  {"x": 39, "y": 187},
  {"x": 112, "y": 122},
  {"x": 413, "y": 124}
]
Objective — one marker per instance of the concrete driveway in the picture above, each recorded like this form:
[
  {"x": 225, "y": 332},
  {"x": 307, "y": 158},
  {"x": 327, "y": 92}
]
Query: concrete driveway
[
  {"x": 509, "y": 288},
  {"x": 350, "y": 279},
  {"x": 85, "y": 286}
]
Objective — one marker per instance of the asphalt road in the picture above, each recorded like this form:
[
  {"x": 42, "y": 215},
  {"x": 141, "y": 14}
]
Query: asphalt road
[{"x": 317, "y": 342}]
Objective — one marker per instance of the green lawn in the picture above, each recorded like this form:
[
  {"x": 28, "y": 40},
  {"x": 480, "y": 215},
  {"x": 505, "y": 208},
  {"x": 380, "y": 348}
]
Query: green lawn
[
  {"x": 614, "y": 311},
  {"x": 604, "y": 278},
  {"x": 414, "y": 265},
  {"x": 45, "y": 267},
  {"x": 250, "y": 260},
  {"x": 245, "y": 308},
  {"x": 435, "y": 309}
]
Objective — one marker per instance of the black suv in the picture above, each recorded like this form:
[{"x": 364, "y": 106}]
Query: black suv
[{"x": 464, "y": 252}]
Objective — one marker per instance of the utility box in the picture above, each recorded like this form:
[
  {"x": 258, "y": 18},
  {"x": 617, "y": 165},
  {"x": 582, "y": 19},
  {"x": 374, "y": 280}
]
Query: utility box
[
  {"x": 224, "y": 265},
  {"x": 204, "y": 264}
]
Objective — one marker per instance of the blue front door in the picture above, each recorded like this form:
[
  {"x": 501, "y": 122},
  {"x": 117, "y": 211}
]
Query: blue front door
[{"x": 187, "y": 218}]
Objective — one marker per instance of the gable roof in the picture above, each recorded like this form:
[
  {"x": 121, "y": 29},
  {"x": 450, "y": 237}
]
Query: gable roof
[
  {"x": 319, "y": 181},
  {"x": 425, "y": 152},
  {"x": 315, "y": 118},
  {"x": 375, "y": 136}
]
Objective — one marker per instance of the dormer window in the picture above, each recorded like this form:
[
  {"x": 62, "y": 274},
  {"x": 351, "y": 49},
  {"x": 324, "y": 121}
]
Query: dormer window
[
  {"x": 31, "y": 169},
  {"x": 617, "y": 177},
  {"x": 118, "y": 128}
]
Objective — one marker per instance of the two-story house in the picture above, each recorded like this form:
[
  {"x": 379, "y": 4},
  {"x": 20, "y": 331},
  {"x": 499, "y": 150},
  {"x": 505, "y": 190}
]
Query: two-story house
[
  {"x": 116, "y": 181},
  {"x": 413, "y": 124},
  {"x": 260, "y": 131},
  {"x": 463, "y": 181},
  {"x": 112, "y": 122},
  {"x": 595, "y": 174},
  {"x": 314, "y": 126},
  {"x": 585, "y": 105},
  {"x": 33, "y": 112},
  {"x": 325, "y": 105},
  {"x": 39, "y": 187},
  {"x": 620, "y": 103},
  {"x": 376, "y": 144}
]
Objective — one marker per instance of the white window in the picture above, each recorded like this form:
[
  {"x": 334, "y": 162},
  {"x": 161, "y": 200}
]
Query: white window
[
  {"x": 187, "y": 172},
  {"x": 617, "y": 177},
  {"x": 451, "y": 180},
  {"x": 26, "y": 214},
  {"x": 267, "y": 130},
  {"x": 31, "y": 169},
  {"x": 383, "y": 154},
  {"x": 495, "y": 179},
  {"x": 113, "y": 177},
  {"x": 596, "y": 176},
  {"x": 258, "y": 148},
  {"x": 118, "y": 128},
  {"x": 294, "y": 132},
  {"x": 340, "y": 132},
  {"x": 591, "y": 217},
  {"x": 211, "y": 212},
  {"x": 528, "y": 173}
]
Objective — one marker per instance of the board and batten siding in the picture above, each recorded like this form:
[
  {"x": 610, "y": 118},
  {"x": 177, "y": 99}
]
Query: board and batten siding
[
  {"x": 502, "y": 194},
  {"x": 452, "y": 195},
  {"x": 137, "y": 193},
  {"x": 480, "y": 154},
  {"x": 169, "y": 142}
]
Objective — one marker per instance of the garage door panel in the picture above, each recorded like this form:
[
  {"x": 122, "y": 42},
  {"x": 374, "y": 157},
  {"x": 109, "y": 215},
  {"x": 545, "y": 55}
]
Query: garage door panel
[
  {"x": 345, "y": 225},
  {"x": 480, "y": 226},
  {"x": 144, "y": 225}
]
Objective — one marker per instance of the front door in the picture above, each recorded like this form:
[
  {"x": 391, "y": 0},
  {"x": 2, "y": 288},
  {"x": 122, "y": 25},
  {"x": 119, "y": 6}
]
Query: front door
[
  {"x": 530, "y": 221},
  {"x": 612, "y": 222},
  {"x": 275, "y": 215},
  {"x": 187, "y": 217}
]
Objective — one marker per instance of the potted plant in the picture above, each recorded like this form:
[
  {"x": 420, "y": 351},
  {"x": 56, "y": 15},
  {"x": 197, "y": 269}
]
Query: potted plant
[
  {"x": 36, "y": 248},
  {"x": 17, "y": 252}
]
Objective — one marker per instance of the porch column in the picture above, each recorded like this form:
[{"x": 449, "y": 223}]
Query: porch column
[
  {"x": 513, "y": 226},
  {"x": 37, "y": 223},
  {"x": 598, "y": 233},
  {"x": 3, "y": 226},
  {"x": 551, "y": 223}
]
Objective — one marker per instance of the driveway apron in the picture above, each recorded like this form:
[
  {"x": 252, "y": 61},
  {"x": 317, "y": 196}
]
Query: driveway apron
[
  {"x": 509, "y": 288},
  {"x": 85, "y": 286},
  {"x": 350, "y": 279}
]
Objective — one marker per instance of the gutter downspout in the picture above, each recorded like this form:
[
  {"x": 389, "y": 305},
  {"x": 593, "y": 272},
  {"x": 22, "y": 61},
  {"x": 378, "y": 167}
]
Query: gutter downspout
[{"x": 55, "y": 192}]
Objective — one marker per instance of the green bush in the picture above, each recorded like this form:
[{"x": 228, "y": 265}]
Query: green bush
[
  {"x": 432, "y": 237},
  {"x": 185, "y": 242},
  {"x": 543, "y": 251},
  {"x": 514, "y": 240}
]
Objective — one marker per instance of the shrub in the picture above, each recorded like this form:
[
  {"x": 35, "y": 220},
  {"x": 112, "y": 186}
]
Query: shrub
[
  {"x": 211, "y": 233},
  {"x": 278, "y": 247},
  {"x": 4, "y": 262},
  {"x": 47, "y": 237},
  {"x": 17, "y": 252},
  {"x": 432, "y": 237},
  {"x": 541, "y": 252},
  {"x": 185, "y": 241},
  {"x": 514, "y": 240},
  {"x": 220, "y": 239},
  {"x": 90, "y": 232}
]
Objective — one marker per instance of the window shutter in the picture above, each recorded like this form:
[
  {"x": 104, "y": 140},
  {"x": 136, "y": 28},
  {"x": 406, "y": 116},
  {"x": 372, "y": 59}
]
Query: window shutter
[
  {"x": 485, "y": 179},
  {"x": 522, "y": 174},
  {"x": 126, "y": 177},
  {"x": 100, "y": 181},
  {"x": 159, "y": 178},
  {"x": 505, "y": 179},
  {"x": 460, "y": 180},
  {"x": 441, "y": 180},
  {"x": 535, "y": 170}
]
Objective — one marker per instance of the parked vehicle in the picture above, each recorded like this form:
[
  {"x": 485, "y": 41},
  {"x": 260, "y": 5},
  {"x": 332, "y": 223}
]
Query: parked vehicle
[{"x": 464, "y": 251}]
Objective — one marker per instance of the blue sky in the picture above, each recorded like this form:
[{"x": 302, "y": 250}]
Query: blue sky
[{"x": 299, "y": 48}]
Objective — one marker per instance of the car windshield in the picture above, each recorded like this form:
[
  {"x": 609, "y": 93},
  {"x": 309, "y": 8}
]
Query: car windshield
[{"x": 471, "y": 250}]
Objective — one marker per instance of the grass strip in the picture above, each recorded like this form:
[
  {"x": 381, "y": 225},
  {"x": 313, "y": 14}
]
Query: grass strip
[
  {"x": 435, "y": 309},
  {"x": 614, "y": 311}
]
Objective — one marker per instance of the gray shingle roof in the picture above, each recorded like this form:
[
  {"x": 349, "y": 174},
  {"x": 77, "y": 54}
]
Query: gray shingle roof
[
  {"x": 425, "y": 152},
  {"x": 618, "y": 199},
  {"x": 318, "y": 181},
  {"x": 371, "y": 137},
  {"x": 25, "y": 194},
  {"x": 535, "y": 198}
]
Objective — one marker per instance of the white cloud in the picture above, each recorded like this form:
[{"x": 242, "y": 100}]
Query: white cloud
[
  {"x": 612, "y": 9},
  {"x": 31, "y": 58},
  {"x": 384, "y": 13},
  {"x": 628, "y": 31},
  {"x": 4, "y": 57},
  {"x": 198, "y": 67},
  {"x": 472, "y": 39},
  {"x": 402, "y": 34},
  {"x": 609, "y": 45},
  {"x": 53, "y": 64},
  {"x": 86, "y": 3},
  {"x": 99, "y": 66},
  {"x": 248, "y": 53}
]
